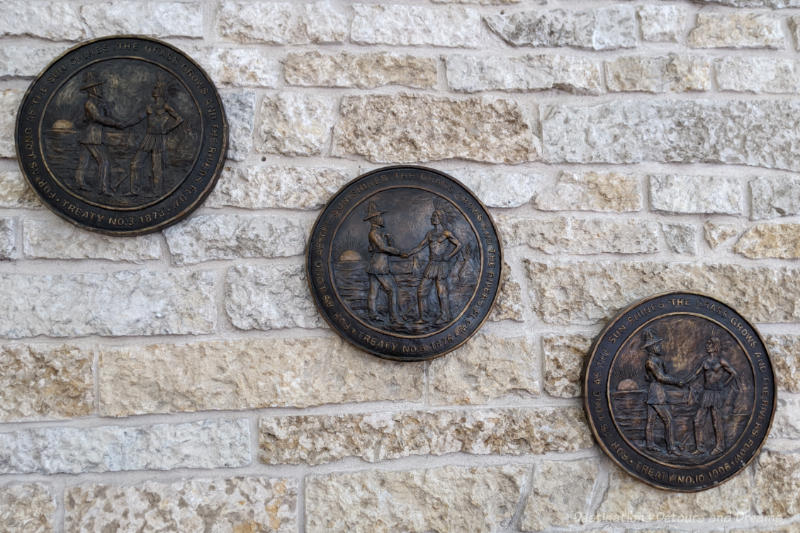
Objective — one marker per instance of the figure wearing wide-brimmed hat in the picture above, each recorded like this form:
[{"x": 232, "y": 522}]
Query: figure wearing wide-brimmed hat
[
  {"x": 657, "y": 375},
  {"x": 380, "y": 276},
  {"x": 97, "y": 116}
]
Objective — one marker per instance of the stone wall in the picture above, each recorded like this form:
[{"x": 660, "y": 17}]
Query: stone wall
[{"x": 183, "y": 381}]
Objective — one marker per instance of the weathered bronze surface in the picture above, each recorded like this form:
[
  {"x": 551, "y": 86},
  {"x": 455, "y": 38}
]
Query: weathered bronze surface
[
  {"x": 122, "y": 135},
  {"x": 404, "y": 262},
  {"x": 679, "y": 391}
]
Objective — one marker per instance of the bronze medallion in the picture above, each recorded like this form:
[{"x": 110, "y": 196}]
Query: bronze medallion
[
  {"x": 122, "y": 135},
  {"x": 679, "y": 391},
  {"x": 404, "y": 262}
]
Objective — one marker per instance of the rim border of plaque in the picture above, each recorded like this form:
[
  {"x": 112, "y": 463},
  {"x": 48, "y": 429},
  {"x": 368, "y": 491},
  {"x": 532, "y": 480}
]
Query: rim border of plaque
[
  {"x": 183, "y": 212},
  {"x": 428, "y": 355},
  {"x": 628, "y": 467}
]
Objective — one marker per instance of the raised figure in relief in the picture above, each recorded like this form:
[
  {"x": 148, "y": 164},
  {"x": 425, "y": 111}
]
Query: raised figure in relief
[
  {"x": 717, "y": 375},
  {"x": 92, "y": 141},
  {"x": 380, "y": 248},
  {"x": 442, "y": 246},
  {"x": 657, "y": 375},
  {"x": 161, "y": 119}
]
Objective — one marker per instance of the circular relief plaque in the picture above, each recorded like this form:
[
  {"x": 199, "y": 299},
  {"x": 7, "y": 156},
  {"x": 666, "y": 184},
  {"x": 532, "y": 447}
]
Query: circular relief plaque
[
  {"x": 679, "y": 391},
  {"x": 122, "y": 135},
  {"x": 404, "y": 262}
]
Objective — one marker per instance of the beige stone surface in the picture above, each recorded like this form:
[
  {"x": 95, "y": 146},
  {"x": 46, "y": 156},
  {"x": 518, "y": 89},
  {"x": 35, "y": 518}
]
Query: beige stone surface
[
  {"x": 629, "y": 500},
  {"x": 680, "y": 238},
  {"x": 775, "y": 196},
  {"x": 242, "y": 67},
  {"x": 10, "y": 100},
  {"x": 270, "y": 297},
  {"x": 266, "y": 187},
  {"x": 591, "y": 191},
  {"x": 786, "y": 424},
  {"x": 508, "y": 305},
  {"x": 781, "y": 241},
  {"x": 373, "y": 437},
  {"x": 716, "y": 233},
  {"x": 15, "y": 192},
  {"x": 45, "y": 382},
  {"x": 28, "y": 508},
  {"x": 598, "y": 289},
  {"x": 53, "y": 238},
  {"x": 405, "y": 25},
  {"x": 295, "y": 124},
  {"x": 777, "y": 484},
  {"x": 697, "y": 194},
  {"x": 235, "y": 505},
  {"x": 74, "y": 305},
  {"x": 662, "y": 23},
  {"x": 580, "y": 236},
  {"x": 219, "y": 443},
  {"x": 26, "y": 60},
  {"x": 756, "y": 132},
  {"x": 658, "y": 74},
  {"x": 487, "y": 367},
  {"x": 387, "y": 128},
  {"x": 564, "y": 359},
  {"x": 560, "y": 495},
  {"x": 733, "y": 29},
  {"x": 601, "y": 28},
  {"x": 8, "y": 238},
  {"x": 365, "y": 71},
  {"x": 249, "y": 374},
  {"x": 784, "y": 352},
  {"x": 163, "y": 19},
  {"x": 219, "y": 237},
  {"x": 281, "y": 22},
  {"x": 240, "y": 108},
  {"x": 499, "y": 187},
  {"x": 451, "y": 498},
  {"x": 757, "y": 74},
  {"x": 52, "y": 20},
  {"x": 524, "y": 73}
]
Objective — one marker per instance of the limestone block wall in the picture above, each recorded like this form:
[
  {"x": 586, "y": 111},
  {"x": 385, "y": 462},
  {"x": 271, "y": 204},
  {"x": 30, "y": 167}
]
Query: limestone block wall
[{"x": 183, "y": 381}]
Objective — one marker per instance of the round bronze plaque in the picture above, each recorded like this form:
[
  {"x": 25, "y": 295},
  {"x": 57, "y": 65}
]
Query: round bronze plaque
[
  {"x": 404, "y": 262},
  {"x": 122, "y": 135},
  {"x": 679, "y": 391}
]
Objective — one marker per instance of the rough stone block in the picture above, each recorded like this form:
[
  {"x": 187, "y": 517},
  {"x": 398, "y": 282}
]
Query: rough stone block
[
  {"x": 206, "y": 444},
  {"x": 364, "y": 71},
  {"x": 775, "y": 196},
  {"x": 662, "y": 23},
  {"x": 680, "y": 238},
  {"x": 602, "y": 28},
  {"x": 281, "y": 22},
  {"x": 56, "y": 21},
  {"x": 757, "y": 74},
  {"x": 591, "y": 191},
  {"x": 240, "y": 108},
  {"x": 781, "y": 241},
  {"x": 273, "y": 297},
  {"x": 508, "y": 305},
  {"x": 660, "y": 74},
  {"x": 404, "y": 25},
  {"x": 242, "y": 67},
  {"x": 237, "y": 505},
  {"x": 746, "y": 132},
  {"x": 374, "y": 437},
  {"x": 451, "y": 498},
  {"x": 28, "y": 508},
  {"x": 580, "y": 236},
  {"x": 561, "y": 494},
  {"x": 42, "y": 382},
  {"x": 717, "y": 233},
  {"x": 731, "y": 29},
  {"x": 564, "y": 359},
  {"x": 15, "y": 192},
  {"x": 271, "y": 187},
  {"x": 784, "y": 352},
  {"x": 493, "y": 130},
  {"x": 249, "y": 374},
  {"x": 8, "y": 238},
  {"x": 524, "y": 73},
  {"x": 219, "y": 237},
  {"x": 295, "y": 124},
  {"x": 601, "y": 288},
  {"x": 157, "y": 19},
  {"x": 10, "y": 99},
  {"x": 56, "y": 239},
  {"x": 137, "y": 302},
  {"x": 499, "y": 187},
  {"x": 777, "y": 484},
  {"x": 26, "y": 60}
]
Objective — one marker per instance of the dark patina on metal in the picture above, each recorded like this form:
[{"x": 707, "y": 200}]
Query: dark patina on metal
[
  {"x": 122, "y": 135},
  {"x": 679, "y": 391},
  {"x": 404, "y": 262}
]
